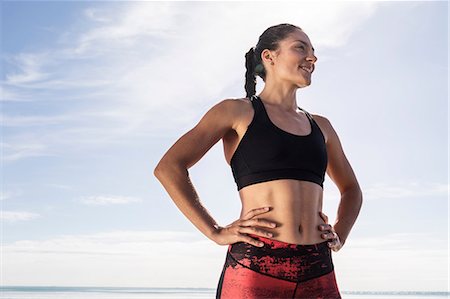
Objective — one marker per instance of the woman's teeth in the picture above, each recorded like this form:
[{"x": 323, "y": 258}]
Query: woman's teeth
[{"x": 306, "y": 69}]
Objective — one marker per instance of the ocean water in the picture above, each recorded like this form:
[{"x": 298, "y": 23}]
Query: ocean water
[{"x": 31, "y": 292}]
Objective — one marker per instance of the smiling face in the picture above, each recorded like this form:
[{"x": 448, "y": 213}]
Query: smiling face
[{"x": 293, "y": 61}]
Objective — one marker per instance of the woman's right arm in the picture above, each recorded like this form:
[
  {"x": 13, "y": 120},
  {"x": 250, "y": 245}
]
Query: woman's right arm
[
  {"x": 172, "y": 172},
  {"x": 172, "y": 169}
]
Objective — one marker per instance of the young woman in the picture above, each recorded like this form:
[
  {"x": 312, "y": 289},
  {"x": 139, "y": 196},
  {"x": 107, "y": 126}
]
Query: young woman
[{"x": 280, "y": 247}]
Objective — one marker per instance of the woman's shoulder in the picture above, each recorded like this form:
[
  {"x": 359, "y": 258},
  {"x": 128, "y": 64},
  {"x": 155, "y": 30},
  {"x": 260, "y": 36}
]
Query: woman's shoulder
[
  {"x": 234, "y": 101},
  {"x": 239, "y": 101},
  {"x": 323, "y": 123},
  {"x": 240, "y": 110},
  {"x": 239, "y": 106},
  {"x": 231, "y": 104},
  {"x": 234, "y": 109},
  {"x": 319, "y": 117}
]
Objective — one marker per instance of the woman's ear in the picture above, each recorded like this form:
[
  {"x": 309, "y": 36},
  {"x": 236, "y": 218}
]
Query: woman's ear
[{"x": 266, "y": 56}]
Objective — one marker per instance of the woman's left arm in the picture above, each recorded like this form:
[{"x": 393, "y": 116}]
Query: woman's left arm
[{"x": 341, "y": 173}]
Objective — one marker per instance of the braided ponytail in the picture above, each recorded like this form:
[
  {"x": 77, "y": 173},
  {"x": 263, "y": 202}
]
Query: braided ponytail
[{"x": 250, "y": 77}]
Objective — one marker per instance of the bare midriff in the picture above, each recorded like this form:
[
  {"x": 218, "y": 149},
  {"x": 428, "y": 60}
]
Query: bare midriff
[{"x": 294, "y": 207}]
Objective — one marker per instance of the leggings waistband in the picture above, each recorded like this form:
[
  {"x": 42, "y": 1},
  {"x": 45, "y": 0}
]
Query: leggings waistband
[{"x": 293, "y": 262}]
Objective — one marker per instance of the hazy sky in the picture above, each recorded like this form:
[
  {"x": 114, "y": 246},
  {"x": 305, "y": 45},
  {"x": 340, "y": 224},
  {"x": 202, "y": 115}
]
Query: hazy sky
[{"x": 93, "y": 94}]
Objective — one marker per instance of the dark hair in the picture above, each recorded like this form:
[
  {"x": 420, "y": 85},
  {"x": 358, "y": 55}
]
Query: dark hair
[{"x": 269, "y": 39}]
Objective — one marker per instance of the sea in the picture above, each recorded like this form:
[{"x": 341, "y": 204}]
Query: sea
[{"x": 41, "y": 292}]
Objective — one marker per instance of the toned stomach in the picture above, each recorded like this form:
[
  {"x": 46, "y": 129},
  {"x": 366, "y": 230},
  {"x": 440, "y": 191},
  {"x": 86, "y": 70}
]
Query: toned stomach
[{"x": 294, "y": 207}]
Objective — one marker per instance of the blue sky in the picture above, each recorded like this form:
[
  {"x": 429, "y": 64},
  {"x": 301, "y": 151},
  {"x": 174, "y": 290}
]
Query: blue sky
[{"x": 93, "y": 94}]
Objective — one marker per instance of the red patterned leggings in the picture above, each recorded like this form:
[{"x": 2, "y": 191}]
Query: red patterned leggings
[{"x": 278, "y": 270}]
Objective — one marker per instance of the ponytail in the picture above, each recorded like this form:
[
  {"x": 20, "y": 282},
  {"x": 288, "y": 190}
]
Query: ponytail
[{"x": 250, "y": 77}]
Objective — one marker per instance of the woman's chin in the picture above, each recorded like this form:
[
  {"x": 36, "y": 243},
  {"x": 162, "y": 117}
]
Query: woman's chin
[{"x": 303, "y": 83}]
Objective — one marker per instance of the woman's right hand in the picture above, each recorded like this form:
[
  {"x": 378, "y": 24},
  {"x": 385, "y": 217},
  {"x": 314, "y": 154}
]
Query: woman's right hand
[{"x": 237, "y": 230}]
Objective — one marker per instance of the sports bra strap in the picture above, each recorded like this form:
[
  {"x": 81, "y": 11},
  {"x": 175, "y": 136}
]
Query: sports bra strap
[
  {"x": 257, "y": 104},
  {"x": 307, "y": 113}
]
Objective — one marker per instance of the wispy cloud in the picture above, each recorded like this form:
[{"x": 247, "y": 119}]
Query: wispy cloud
[
  {"x": 12, "y": 95},
  {"x": 107, "y": 200},
  {"x": 114, "y": 242},
  {"x": 406, "y": 190},
  {"x": 130, "y": 26},
  {"x": 29, "y": 67},
  {"x": 394, "y": 190},
  {"x": 96, "y": 15},
  {"x": 9, "y": 194},
  {"x": 20, "y": 150},
  {"x": 60, "y": 186},
  {"x": 15, "y": 216},
  {"x": 28, "y": 121}
]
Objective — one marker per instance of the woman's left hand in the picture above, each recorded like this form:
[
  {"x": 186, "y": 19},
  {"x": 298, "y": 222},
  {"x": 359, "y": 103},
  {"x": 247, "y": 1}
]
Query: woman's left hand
[{"x": 330, "y": 234}]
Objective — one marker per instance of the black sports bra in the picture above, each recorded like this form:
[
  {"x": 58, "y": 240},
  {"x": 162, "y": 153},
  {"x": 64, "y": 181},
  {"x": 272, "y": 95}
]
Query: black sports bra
[{"x": 266, "y": 152}]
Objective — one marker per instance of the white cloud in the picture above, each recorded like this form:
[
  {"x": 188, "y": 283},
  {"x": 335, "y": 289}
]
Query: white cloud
[
  {"x": 395, "y": 262},
  {"x": 10, "y": 95},
  {"x": 9, "y": 194},
  {"x": 14, "y": 216},
  {"x": 406, "y": 190},
  {"x": 27, "y": 121},
  {"x": 136, "y": 21},
  {"x": 20, "y": 150},
  {"x": 59, "y": 186},
  {"x": 95, "y": 15},
  {"x": 108, "y": 200},
  {"x": 188, "y": 259},
  {"x": 29, "y": 69},
  {"x": 393, "y": 190},
  {"x": 125, "y": 258}
]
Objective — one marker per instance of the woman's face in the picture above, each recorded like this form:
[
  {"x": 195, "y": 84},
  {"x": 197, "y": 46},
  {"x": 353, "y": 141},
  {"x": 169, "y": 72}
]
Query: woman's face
[{"x": 294, "y": 52}]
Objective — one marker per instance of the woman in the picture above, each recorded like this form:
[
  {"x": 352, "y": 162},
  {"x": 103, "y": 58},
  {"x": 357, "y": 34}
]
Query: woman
[{"x": 280, "y": 247}]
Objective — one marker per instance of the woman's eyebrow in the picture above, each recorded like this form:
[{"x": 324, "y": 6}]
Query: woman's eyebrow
[{"x": 304, "y": 43}]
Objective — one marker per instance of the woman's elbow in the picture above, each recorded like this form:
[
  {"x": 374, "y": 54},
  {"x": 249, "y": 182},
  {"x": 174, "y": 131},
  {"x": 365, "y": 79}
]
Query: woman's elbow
[
  {"x": 167, "y": 167},
  {"x": 160, "y": 168},
  {"x": 157, "y": 171}
]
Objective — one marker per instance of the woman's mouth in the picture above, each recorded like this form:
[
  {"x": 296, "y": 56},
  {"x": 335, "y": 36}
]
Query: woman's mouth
[{"x": 306, "y": 70}]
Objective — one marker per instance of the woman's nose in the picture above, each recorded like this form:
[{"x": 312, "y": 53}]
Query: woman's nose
[{"x": 312, "y": 58}]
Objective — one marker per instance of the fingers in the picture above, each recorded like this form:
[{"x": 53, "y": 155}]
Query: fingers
[
  {"x": 326, "y": 236},
  {"x": 335, "y": 243},
  {"x": 324, "y": 217},
  {"x": 254, "y": 212},
  {"x": 252, "y": 241},
  {"x": 235, "y": 233},
  {"x": 237, "y": 230},
  {"x": 258, "y": 222},
  {"x": 254, "y": 230},
  {"x": 327, "y": 227},
  {"x": 249, "y": 225},
  {"x": 331, "y": 235},
  {"x": 332, "y": 242}
]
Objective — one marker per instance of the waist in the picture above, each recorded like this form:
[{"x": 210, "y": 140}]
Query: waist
[
  {"x": 302, "y": 234},
  {"x": 294, "y": 207}
]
